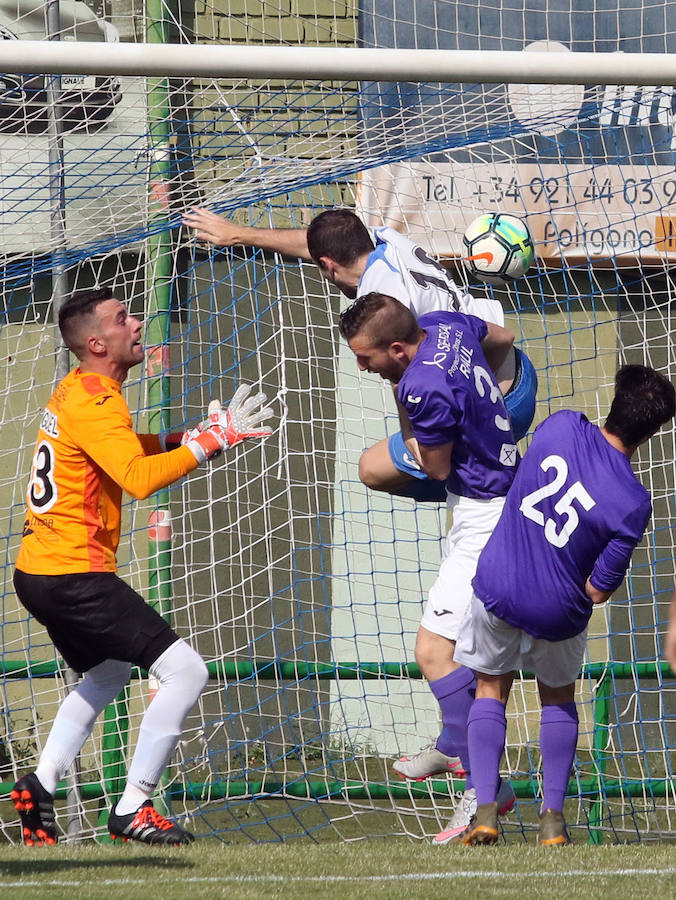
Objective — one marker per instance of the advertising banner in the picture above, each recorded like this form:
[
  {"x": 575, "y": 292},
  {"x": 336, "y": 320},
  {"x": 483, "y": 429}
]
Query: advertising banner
[{"x": 591, "y": 167}]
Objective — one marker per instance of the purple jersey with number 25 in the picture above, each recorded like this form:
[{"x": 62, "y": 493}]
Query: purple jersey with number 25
[
  {"x": 575, "y": 511},
  {"x": 451, "y": 396}
]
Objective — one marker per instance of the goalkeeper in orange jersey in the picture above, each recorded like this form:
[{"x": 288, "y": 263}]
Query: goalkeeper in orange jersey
[{"x": 87, "y": 453}]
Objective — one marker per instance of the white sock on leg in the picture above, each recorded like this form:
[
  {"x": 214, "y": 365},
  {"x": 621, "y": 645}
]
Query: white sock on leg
[
  {"x": 75, "y": 719},
  {"x": 182, "y": 675},
  {"x": 132, "y": 798}
]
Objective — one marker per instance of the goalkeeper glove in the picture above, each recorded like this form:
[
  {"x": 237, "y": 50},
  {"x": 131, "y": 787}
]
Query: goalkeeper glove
[
  {"x": 171, "y": 440},
  {"x": 242, "y": 419},
  {"x": 228, "y": 427}
]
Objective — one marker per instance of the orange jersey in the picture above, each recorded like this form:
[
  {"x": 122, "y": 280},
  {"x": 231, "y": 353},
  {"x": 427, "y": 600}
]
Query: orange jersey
[{"x": 87, "y": 453}]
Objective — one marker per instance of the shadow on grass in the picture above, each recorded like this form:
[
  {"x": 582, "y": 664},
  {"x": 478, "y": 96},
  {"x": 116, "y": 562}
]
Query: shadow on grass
[{"x": 41, "y": 865}]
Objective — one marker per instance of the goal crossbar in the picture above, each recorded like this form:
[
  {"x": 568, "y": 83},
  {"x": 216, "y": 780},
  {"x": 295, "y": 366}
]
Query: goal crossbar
[{"x": 336, "y": 63}]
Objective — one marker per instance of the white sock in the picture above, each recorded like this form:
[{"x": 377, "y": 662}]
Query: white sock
[
  {"x": 182, "y": 675},
  {"x": 75, "y": 719},
  {"x": 132, "y": 798},
  {"x": 48, "y": 777}
]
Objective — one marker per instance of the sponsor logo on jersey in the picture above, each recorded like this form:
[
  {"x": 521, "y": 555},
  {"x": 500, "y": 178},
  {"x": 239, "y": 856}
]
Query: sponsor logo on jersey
[
  {"x": 103, "y": 399},
  {"x": 413, "y": 399},
  {"x": 444, "y": 338},
  {"x": 33, "y": 522},
  {"x": 439, "y": 359}
]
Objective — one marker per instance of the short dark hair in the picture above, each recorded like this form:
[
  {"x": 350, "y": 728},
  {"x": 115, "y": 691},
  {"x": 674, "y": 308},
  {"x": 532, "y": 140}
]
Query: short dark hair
[
  {"x": 383, "y": 318},
  {"x": 340, "y": 235},
  {"x": 644, "y": 400},
  {"x": 77, "y": 307}
]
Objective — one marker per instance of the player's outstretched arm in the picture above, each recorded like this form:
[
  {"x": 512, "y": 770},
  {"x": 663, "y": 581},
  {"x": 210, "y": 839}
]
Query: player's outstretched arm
[
  {"x": 242, "y": 420},
  {"x": 223, "y": 233},
  {"x": 106, "y": 435},
  {"x": 670, "y": 637}
]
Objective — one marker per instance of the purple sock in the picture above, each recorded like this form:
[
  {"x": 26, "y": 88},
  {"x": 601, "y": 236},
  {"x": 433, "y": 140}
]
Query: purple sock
[
  {"x": 455, "y": 695},
  {"x": 487, "y": 729},
  {"x": 558, "y": 740}
]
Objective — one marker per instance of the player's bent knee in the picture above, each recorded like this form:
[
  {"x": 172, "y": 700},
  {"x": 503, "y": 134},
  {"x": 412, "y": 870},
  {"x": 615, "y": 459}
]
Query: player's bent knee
[
  {"x": 196, "y": 674},
  {"x": 199, "y": 674},
  {"x": 180, "y": 664},
  {"x": 367, "y": 475},
  {"x": 434, "y": 654},
  {"x": 422, "y": 657},
  {"x": 425, "y": 656},
  {"x": 378, "y": 473}
]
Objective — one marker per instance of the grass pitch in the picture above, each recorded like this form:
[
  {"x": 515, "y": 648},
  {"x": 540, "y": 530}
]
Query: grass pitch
[{"x": 389, "y": 869}]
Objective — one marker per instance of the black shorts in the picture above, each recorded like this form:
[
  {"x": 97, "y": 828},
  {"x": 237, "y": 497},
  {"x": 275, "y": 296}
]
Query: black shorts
[{"x": 95, "y": 616}]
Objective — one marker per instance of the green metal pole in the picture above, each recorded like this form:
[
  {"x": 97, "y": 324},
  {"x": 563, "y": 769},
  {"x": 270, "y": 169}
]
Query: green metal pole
[
  {"x": 360, "y": 790},
  {"x": 291, "y": 670},
  {"x": 601, "y": 721},
  {"x": 115, "y": 733},
  {"x": 158, "y": 287},
  {"x": 158, "y": 320}
]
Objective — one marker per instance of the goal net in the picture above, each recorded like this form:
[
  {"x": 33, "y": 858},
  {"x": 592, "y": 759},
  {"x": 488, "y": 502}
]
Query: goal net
[{"x": 300, "y": 588}]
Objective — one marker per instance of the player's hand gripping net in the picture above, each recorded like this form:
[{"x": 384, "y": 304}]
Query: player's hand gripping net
[{"x": 242, "y": 420}]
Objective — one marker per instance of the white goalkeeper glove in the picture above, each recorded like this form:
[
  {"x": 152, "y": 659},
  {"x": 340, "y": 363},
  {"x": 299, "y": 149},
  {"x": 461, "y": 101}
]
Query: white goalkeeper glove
[
  {"x": 228, "y": 427},
  {"x": 242, "y": 419}
]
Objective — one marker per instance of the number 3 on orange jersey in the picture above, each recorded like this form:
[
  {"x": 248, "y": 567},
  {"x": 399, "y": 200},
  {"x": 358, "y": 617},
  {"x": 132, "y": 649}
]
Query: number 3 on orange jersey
[{"x": 42, "y": 492}]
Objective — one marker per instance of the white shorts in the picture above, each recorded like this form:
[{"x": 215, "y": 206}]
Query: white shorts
[
  {"x": 489, "y": 645},
  {"x": 451, "y": 593}
]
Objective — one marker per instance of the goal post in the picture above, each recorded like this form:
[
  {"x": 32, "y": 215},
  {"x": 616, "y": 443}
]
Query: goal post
[
  {"x": 301, "y": 589},
  {"x": 252, "y": 61}
]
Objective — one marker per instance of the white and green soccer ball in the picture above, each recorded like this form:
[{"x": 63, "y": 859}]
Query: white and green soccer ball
[{"x": 498, "y": 248}]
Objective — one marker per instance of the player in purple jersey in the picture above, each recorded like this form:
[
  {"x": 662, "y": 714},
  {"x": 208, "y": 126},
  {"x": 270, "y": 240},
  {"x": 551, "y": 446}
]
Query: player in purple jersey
[
  {"x": 571, "y": 521},
  {"x": 455, "y": 424},
  {"x": 359, "y": 261}
]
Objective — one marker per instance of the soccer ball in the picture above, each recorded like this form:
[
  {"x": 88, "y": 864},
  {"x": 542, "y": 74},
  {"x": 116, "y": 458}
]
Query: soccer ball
[{"x": 498, "y": 248}]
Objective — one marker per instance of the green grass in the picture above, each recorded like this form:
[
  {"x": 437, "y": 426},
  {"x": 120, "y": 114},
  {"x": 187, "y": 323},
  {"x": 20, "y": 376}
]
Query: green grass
[{"x": 389, "y": 869}]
